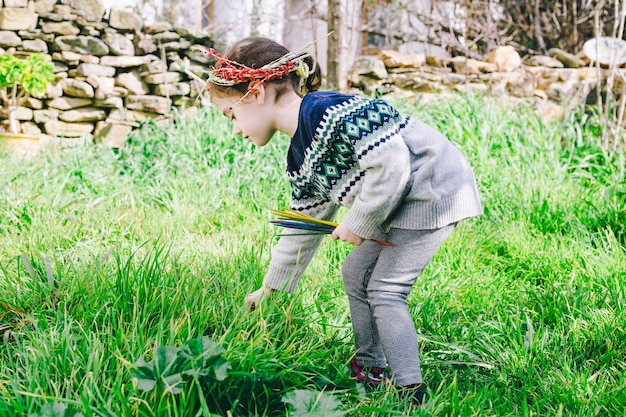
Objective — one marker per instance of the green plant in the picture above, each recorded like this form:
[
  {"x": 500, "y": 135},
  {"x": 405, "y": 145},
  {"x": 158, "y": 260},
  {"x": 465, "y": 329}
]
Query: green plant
[{"x": 19, "y": 79}]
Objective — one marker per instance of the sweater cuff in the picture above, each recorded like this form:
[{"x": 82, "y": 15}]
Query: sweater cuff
[
  {"x": 282, "y": 279},
  {"x": 361, "y": 224}
]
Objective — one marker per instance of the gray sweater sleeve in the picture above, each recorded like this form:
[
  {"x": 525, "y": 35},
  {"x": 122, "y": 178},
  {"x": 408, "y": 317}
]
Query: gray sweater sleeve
[{"x": 292, "y": 254}]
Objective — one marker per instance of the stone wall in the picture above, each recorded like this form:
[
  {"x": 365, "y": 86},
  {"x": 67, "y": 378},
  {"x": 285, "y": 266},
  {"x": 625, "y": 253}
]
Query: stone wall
[
  {"x": 559, "y": 80},
  {"x": 111, "y": 74}
]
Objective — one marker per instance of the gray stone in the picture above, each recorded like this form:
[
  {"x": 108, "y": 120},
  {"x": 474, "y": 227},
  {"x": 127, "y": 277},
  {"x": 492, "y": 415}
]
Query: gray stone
[
  {"x": 113, "y": 135},
  {"x": 149, "y": 103},
  {"x": 125, "y": 19},
  {"x": 70, "y": 130},
  {"x": 125, "y": 61},
  {"x": 165, "y": 37},
  {"x": 163, "y": 77},
  {"x": 35, "y": 45},
  {"x": 543, "y": 61},
  {"x": 44, "y": 6},
  {"x": 12, "y": 18},
  {"x": 568, "y": 60},
  {"x": 133, "y": 83},
  {"x": 175, "y": 89},
  {"x": 81, "y": 45},
  {"x": 119, "y": 44},
  {"x": 77, "y": 88},
  {"x": 85, "y": 114},
  {"x": 43, "y": 116},
  {"x": 110, "y": 102},
  {"x": 60, "y": 28},
  {"x": 157, "y": 27},
  {"x": 90, "y": 10},
  {"x": 370, "y": 66},
  {"x": 85, "y": 70},
  {"x": 68, "y": 103},
  {"x": 15, "y": 3},
  {"x": 9, "y": 39}
]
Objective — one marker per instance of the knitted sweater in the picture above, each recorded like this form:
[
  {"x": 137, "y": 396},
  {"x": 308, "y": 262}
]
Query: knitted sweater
[{"x": 389, "y": 169}]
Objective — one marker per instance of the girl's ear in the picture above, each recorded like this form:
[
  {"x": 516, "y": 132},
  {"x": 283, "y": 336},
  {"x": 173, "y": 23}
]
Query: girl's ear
[{"x": 259, "y": 94}]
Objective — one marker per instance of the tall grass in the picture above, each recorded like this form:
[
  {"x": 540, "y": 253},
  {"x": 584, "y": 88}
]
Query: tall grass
[{"x": 107, "y": 257}]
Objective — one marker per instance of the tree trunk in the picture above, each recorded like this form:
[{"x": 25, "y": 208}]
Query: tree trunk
[{"x": 334, "y": 52}]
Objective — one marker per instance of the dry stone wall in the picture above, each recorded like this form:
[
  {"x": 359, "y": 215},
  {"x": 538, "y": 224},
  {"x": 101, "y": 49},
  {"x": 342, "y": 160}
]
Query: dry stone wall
[
  {"x": 111, "y": 74},
  {"x": 559, "y": 79}
]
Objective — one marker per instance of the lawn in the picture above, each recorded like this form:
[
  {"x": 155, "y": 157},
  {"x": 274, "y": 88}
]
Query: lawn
[{"x": 123, "y": 274}]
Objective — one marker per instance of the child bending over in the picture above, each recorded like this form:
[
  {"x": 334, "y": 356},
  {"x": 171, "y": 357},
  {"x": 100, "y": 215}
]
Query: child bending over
[{"x": 402, "y": 181}]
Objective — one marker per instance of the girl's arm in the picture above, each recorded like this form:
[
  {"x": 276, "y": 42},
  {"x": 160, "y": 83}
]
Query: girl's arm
[{"x": 292, "y": 254}]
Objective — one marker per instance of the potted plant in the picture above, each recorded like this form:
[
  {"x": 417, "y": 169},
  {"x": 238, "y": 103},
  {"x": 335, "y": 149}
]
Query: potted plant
[{"x": 21, "y": 78}]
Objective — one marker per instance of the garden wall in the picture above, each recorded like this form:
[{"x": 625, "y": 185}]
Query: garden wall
[
  {"x": 558, "y": 80},
  {"x": 111, "y": 74}
]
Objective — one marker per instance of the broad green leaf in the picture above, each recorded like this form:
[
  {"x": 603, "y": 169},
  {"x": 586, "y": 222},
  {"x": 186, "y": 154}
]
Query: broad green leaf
[
  {"x": 312, "y": 403},
  {"x": 56, "y": 410},
  {"x": 144, "y": 375}
]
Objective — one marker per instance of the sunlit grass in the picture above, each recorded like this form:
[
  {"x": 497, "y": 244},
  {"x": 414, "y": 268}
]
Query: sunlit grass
[{"x": 106, "y": 255}]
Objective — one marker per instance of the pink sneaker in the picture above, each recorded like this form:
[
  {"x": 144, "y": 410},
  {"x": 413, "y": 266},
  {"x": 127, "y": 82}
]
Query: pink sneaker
[{"x": 371, "y": 377}]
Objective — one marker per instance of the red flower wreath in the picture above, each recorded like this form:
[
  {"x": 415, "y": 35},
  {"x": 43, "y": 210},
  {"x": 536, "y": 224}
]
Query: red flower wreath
[{"x": 227, "y": 72}]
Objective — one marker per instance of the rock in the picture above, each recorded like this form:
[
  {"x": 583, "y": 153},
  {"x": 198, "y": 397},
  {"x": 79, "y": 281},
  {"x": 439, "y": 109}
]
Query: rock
[
  {"x": 125, "y": 20},
  {"x": 370, "y": 66},
  {"x": 43, "y": 116},
  {"x": 81, "y": 45},
  {"x": 14, "y": 18},
  {"x": 157, "y": 27},
  {"x": 394, "y": 59},
  {"x": 9, "y": 39},
  {"x": 77, "y": 88},
  {"x": 163, "y": 77},
  {"x": 543, "y": 61},
  {"x": 85, "y": 114},
  {"x": 505, "y": 58},
  {"x": 67, "y": 103},
  {"x": 467, "y": 66},
  {"x": 90, "y": 10},
  {"x": 149, "y": 103},
  {"x": 85, "y": 70},
  {"x": 44, "y": 6},
  {"x": 35, "y": 45},
  {"x": 522, "y": 84},
  {"x": 119, "y": 44},
  {"x": 174, "y": 89},
  {"x": 125, "y": 61},
  {"x": 70, "y": 130},
  {"x": 133, "y": 83},
  {"x": 113, "y": 135},
  {"x": 60, "y": 28},
  {"x": 568, "y": 60}
]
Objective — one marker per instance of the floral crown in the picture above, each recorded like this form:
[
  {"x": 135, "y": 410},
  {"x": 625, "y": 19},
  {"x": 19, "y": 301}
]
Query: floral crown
[{"x": 227, "y": 73}]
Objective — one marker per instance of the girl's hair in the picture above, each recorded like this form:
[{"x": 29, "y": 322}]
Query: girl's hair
[{"x": 255, "y": 52}]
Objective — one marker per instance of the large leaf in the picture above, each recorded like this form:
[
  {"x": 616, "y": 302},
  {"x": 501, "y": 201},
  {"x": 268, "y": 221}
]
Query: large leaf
[
  {"x": 172, "y": 367},
  {"x": 205, "y": 358},
  {"x": 56, "y": 410},
  {"x": 312, "y": 403}
]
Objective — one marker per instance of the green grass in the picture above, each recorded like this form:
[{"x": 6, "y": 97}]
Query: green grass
[{"x": 107, "y": 257}]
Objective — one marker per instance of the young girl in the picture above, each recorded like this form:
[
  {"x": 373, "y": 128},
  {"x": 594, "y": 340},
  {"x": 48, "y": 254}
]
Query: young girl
[{"x": 402, "y": 181}]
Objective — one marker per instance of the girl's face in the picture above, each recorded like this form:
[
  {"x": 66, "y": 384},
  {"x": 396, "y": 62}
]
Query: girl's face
[{"x": 252, "y": 118}]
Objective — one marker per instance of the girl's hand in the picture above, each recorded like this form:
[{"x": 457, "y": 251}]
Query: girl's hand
[
  {"x": 253, "y": 299},
  {"x": 341, "y": 232}
]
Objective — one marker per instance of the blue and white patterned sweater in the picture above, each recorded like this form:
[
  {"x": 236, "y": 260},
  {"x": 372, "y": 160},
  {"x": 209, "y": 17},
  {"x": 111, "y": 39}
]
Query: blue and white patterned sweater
[{"x": 389, "y": 169}]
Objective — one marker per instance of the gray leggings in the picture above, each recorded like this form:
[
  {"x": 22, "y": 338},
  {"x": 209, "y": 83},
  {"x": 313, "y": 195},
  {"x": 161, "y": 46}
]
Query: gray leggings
[{"x": 378, "y": 280}]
